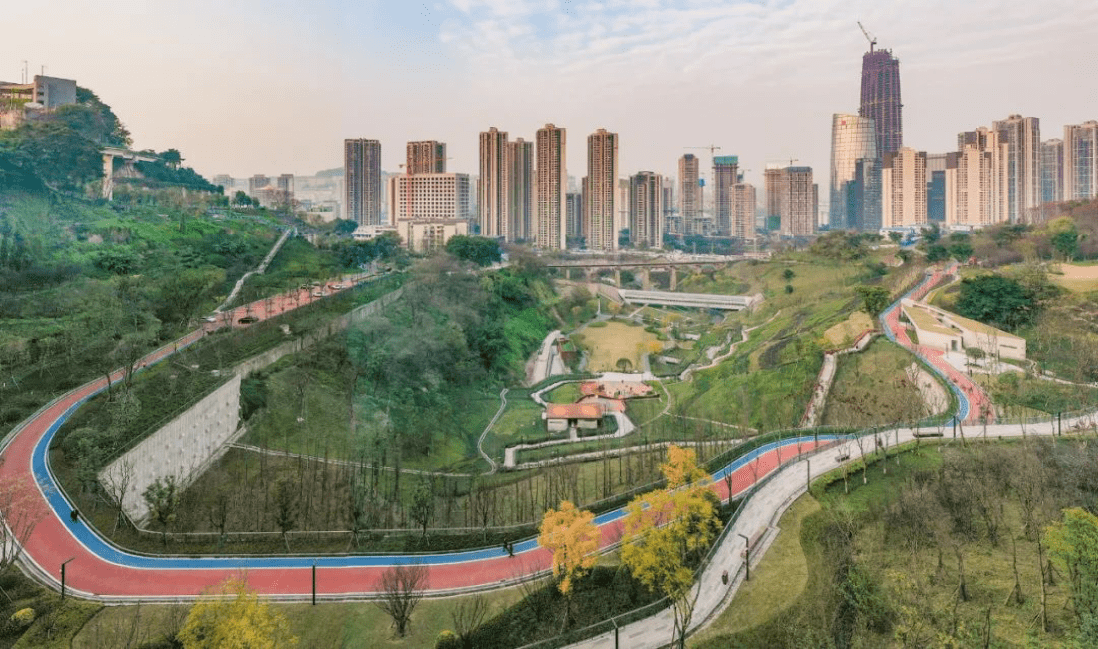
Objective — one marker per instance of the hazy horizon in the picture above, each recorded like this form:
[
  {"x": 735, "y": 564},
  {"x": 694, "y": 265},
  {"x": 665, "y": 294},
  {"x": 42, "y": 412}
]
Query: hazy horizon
[{"x": 276, "y": 88}]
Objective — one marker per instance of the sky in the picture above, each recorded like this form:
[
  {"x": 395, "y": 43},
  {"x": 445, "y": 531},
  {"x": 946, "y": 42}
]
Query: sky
[{"x": 275, "y": 86}]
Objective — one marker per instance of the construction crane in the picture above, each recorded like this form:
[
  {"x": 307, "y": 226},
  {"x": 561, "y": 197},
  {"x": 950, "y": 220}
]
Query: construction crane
[{"x": 869, "y": 37}]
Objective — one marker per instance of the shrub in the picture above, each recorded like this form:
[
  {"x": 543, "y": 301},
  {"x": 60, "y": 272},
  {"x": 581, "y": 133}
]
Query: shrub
[
  {"x": 447, "y": 640},
  {"x": 22, "y": 618}
]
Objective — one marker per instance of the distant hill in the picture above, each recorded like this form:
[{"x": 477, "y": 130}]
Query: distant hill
[{"x": 330, "y": 173}]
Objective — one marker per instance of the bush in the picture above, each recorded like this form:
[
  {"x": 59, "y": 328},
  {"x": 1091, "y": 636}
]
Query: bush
[
  {"x": 447, "y": 640},
  {"x": 22, "y": 618}
]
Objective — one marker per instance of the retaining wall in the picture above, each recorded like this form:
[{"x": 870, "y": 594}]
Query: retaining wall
[
  {"x": 191, "y": 442},
  {"x": 183, "y": 448}
]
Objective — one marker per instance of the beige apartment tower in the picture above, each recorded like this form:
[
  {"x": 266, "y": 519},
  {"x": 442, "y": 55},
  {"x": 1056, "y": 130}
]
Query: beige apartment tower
[
  {"x": 551, "y": 188},
  {"x": 976, "y": 180},
  {"x": 520, "y": 185},
  {"x": 791, "y": 196},
  {"x": 602, "y": 190},
  {"x": 494, "y": 195},
  {"x": 690, "y": 197},
  {"x": 743, "y": 211},
  {"x": 1022, "y": 166},
  {"x": 903, "y": 188},
  {"x": 646, "y": 210},
  {"x": 426, "y": 157},
  {"x": 362, "y": 181},
  {"x": 1081, "y": 161}
]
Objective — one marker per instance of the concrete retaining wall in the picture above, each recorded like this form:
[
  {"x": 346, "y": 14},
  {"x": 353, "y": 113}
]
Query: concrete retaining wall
[
  {"x": 183, "y": 448},
  {"x": 191, "y": 442}
]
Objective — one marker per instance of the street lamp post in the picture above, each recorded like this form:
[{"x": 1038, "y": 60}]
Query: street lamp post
[
  {"x": 746, "y": 557},
  {"x": 63, "y": 575},
  {"x": 314, "y": 583}
]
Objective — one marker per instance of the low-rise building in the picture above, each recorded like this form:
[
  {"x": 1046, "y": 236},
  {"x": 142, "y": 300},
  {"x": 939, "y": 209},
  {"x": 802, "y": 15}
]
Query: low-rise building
[
  {"x": 939, "y": 329},
  {"x": 561, "y": 417}
]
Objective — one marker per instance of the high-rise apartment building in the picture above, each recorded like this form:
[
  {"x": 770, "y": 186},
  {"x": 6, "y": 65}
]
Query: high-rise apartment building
[
  {"x": 936, "y": 164},
  {"x": 426, "y": 157},
  {"x": 853, "y": 138},
  {"x": 520, "y": 183},
  {"x": 743, "y": 214},
  {"x": 726, "y": 175},
  {"x": 285, "y": 183},
  {"x": 256, "y": 183},
  {"x": 621, "y": 220},
  {"x": 863, "y": 207},
  {"x": 551, "y": 188},
  {"x": 903, "y": 188},
  {"x": 493, "y": 190},
  {"x": 669, "y": 205},
  {"x": 1081, "y": 161},
  {"x": 1052, "y": 171},
  {"x": 976, "y": 184},
  {"x": 362, "y": 182},
  {"x": 646, "y": 210},
  {"x": 791, "y": 200},
  {"x": 573, "y": 211},
  {"x": 602, "y": 190},
  {"x": 772, "y": 185},
  {"x": 881, "y": 99},
  {"x": 690, "y": 197},
  {"x": 1022, "y": 137}
]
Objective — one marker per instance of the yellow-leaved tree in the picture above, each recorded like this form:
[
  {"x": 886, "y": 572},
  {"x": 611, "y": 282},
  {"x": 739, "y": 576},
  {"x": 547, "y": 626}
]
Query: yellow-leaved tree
[
  {"x": 232, "y": 616},
  {"x": 571, "y": 535},
  {"x": 667, "y": 533}
]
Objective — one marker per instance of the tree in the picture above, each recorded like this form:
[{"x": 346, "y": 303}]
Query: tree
[
  {"x": 482, "y": 251},
  {"x": 61, "y": 157},
  {"x": 285, "y": 509},
  {"x": 875, "y": 299},
  {"x": 571, "y": 535},
  {"x": 996, "y": 300},
  {"x": 936, "y": 252},
  {"x": 1073, "y": 544},
  {"x": 423, "y": 503},
  {"x": 666, "y": 532},
  {"x": 788, "y": 274},
  {"x": 401, "y": 588},
  {"x": 1066, "y": 242},
  {"x": 242, "y": 199},
  {"x": 234, "y": 616},
  {"x": 117, "y": 482},
  {"x": 896, "y": 237},
  {"x": 172, "y": 157},
  {"x": 162, "y": 498},
  {"x": 624, "y": 364},
  {"x": 468, "y": 614},
  {"x": 345, "y": 226}
]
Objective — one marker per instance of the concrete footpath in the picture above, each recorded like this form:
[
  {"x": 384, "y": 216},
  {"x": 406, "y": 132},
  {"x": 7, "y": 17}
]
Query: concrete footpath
[{"x": 763, "y": 509}]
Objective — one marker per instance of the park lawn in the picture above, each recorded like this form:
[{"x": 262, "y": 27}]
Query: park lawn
[
  {"x": 776, "y": 582},
  {"x": 873, "y": 387},
  {"x": 844, "y": 333},
  {"x": 520, "y": 423},
  {"x": 567, "y": 393},
  {"x": 348, "y": 625},
  {"x": 613, "y": 342},
  {"x": 1077, "y": 278}
]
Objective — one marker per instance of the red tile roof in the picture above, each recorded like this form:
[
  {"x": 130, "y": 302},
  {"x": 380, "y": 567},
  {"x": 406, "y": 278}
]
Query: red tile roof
[{"x": 573, "y": 411}]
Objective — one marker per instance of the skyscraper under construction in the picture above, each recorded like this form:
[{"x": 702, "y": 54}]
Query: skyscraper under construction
[{"x": 881, "y": 98}]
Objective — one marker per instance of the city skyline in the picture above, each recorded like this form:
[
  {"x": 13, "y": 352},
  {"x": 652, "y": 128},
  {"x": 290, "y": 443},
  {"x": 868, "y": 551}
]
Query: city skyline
[{"x": 448, "y": 70}]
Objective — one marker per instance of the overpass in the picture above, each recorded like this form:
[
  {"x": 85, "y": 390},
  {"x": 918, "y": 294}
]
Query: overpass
[
  {"x": 127, "y": 170},
  {"x": 644, "y": 266},
  {"x": 691, "y": 300}
]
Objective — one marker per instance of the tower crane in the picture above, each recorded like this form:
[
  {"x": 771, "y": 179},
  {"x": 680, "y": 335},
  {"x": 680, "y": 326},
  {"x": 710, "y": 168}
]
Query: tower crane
[{"x": 869, "y": 37}]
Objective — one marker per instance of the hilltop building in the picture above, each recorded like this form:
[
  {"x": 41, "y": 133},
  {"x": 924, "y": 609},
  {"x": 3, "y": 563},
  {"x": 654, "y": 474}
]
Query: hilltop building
[{"x": 362, "y": 181}]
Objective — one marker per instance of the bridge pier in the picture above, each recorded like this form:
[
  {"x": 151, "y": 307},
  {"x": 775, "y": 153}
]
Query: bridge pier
[
  {"x": 674, "y": 278},
  {"x": 108, "y": 176},
  {"x": 646, "y": 279},
  {"x": 617, "y": 277}
]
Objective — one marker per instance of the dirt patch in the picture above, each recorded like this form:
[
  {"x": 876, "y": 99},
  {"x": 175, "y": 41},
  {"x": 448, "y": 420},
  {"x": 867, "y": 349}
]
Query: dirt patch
[
  {"x": 1080, "y": 279},
  {"x": 845, "y": 332}
]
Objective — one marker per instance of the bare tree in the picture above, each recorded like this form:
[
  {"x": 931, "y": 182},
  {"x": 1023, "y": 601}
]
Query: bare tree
[
  {"x": 401, "y": 588},
  {"x": 468, "y": 615},
  {"x": 116, "y": 482}
]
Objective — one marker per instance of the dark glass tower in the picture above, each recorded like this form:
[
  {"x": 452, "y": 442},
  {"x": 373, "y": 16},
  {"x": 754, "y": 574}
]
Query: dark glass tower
[{"x": 881, "y": 99}]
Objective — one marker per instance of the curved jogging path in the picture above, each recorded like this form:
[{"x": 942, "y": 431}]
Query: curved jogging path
[{"x": 101, "y": 571}]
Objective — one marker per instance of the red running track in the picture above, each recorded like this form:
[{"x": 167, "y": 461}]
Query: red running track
[{"x": 55, "y": 540}]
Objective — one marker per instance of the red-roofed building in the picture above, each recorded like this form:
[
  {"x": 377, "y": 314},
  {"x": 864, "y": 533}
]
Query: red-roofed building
[{"x": 562, "y": 416}]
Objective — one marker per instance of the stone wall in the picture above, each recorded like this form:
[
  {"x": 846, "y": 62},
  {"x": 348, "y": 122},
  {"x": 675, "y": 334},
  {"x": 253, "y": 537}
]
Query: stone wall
[
  {"x": 190, "y": 443},
  {"x": 183, "y": 448}
]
